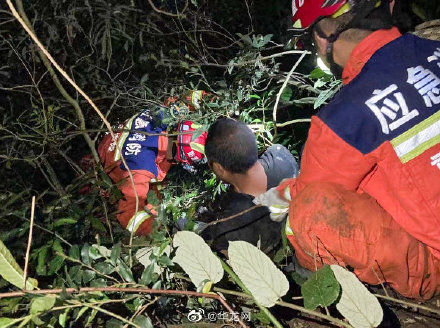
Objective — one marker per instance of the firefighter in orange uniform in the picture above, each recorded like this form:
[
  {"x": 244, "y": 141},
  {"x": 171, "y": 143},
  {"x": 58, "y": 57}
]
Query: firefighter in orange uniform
[
  {"x": 368, "y": 192},
  {"x": 149, "y": 154}
]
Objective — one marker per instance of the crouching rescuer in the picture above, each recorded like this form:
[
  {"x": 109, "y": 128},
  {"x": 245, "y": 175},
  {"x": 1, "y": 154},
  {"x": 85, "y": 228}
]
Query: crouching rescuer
[
  {"x": 149, "y": 153},
  {"x": 368, "y": 193}
]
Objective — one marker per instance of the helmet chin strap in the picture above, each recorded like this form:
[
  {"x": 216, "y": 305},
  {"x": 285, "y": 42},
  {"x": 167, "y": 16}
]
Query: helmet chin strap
[{"x": 335, "y": 68}]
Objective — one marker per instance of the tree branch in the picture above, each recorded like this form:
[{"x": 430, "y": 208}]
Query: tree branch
[
  {"x": 26, "y": 25},
  {"x": 124, "y": 290},
  {"x": 56, "y": 80},
  {"x": 165, "y": 12},
  {"x": 275, "y": 107}
]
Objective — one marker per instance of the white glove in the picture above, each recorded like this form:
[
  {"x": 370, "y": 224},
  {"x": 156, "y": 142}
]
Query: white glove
[{"x": 278, "y": 206}]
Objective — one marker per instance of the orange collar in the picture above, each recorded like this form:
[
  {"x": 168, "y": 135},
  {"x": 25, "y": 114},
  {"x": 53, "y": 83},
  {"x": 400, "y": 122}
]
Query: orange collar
[{"x": 365, "y": 49}]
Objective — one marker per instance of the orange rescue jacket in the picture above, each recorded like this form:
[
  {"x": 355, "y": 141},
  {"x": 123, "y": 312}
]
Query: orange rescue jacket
[{"x": 381, "y": 136}]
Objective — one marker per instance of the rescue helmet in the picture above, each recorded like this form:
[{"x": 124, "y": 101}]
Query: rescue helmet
[
  {"x": 190, "y": 151},
  {"x": 306, "y": 12}
]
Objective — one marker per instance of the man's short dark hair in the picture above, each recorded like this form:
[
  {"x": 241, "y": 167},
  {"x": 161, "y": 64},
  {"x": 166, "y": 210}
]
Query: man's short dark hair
[{"x": 232, "y": 144}]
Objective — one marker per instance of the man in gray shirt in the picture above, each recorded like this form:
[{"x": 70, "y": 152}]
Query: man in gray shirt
[{"x": 232, "y": 154}]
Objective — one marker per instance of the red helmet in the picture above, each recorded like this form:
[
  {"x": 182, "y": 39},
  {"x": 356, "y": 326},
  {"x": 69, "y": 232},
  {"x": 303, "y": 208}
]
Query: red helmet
[
  {"x": 305, "y": 12},
  {"x": 190, "y": 151}
]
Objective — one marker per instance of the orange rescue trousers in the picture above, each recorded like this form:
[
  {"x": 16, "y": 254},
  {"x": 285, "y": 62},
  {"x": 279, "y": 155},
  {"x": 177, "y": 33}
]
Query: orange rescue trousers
[{"x": 332, "y": 225}]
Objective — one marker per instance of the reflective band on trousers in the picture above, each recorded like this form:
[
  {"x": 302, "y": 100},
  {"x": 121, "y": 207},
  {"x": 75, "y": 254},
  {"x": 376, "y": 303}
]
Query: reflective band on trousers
[{"x": 137, "y": 220}]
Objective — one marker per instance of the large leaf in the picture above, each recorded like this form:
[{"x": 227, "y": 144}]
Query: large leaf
[
  {"x": 357, "y": 304},
  {"x": 321, "y": 288},
  {"x": 11, "y": 271},
  {"x": 42, "y": 303},
  {"x": 196, "y": 258},
  {"x": 143, "y": 321},
  {"x": 258, "y": 273}
]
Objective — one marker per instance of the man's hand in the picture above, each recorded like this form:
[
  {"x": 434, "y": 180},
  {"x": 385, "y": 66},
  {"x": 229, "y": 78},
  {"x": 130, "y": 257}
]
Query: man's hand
[{"x": 278, "y": 206}]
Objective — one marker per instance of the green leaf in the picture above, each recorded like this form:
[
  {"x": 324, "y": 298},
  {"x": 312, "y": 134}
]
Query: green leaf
[
  {"x": 97, "y": 224},
  {"x": 245, "y": 38},
  {"x": 10, "y": 305},
  {"x": 287, "y": 94},
  {"x": 318, "y": 73},
  {"x": 327, "y": 94},
  {"x": 63, "y": 318},
  {"x": 63, "y": 222},
  {"x": 321, "y": 288},
  {"x": 116, "y": 252},
  {"x": 81, "y": 312},
  {"x": 196, "y": 258},
  {"x": 88, "y": 275},
  {"x": 42, "y": 303},
  {"x": 11, "y": 271},
  {"x": 57, "y": 246},
  {"x": 305, "y": 100},
  {"x": 164, "y": 247},
  {"x": 143, "y": 321},
  {"x": 357, "y": 304},
  {"x": 114, "y": 323},
  {"x": 262, "y": 317},
  {"x": 85, "y": 251},
  {"x": 91, "y": 317},
  {"x": 152, "y": 198},
  {"x": 124, "y": 271},
  {"x": 95, "y": 253},
  {"x": 42, "y": 258},
  {"x": 74, "y": 252},
  {"x": 75, "y": 274},
  {"x": 55, "y": 264},
  {"x": 100, "y": 282},
  {"x": 280, "y": 255},
  {"x": 147, "y": 275},
  {"x": 104, "y": 267},
  {"x": 165, "y": 261},
  {"x": 104, "y": 251},
  {"x": 157, "y": 285},
  {"x": 297, "y": 278},
  {"x": 258, "y": 273},
  {"x": 25, "y": 320}
]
